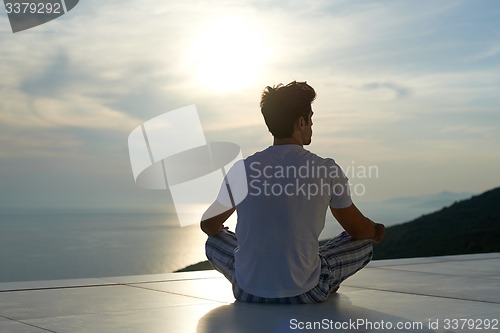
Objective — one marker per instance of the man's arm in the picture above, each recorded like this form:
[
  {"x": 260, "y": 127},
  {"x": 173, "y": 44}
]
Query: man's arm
[
  {"x": 357, "y": 225},
  {"x": 212, "y": 225}
]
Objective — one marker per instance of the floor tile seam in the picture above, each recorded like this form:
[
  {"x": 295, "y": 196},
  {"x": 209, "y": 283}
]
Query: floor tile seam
[
  {"x": 116, "y": 285},
  {"x": 103, "y": 284},
  {"x": 23, "y": 322},
  {"x": 176, "y": 280},
  {"x": 59, "y": 287},
  {"x": 435, "y": 261},
  {"x": 476, "y": 277},
  {"x": 406, "y": 264},
  {"x": 440, "y": 273},
  {"x": 90, "y": 314},
  {"x": 179, "y": 294},
  {"x": 110, "y": 284},
  {"x": 426, "y": 295}
]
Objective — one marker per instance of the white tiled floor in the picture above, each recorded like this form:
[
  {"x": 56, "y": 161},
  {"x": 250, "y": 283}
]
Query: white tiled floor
[{"x": 412, "y": 292}]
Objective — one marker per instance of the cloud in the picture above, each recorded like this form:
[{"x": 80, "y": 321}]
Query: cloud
[
  {"x": 386, "y": 74},
  {"x": 491, "y": 52},
  {"x": 57, "y": 75},
  {"x": 399, "y": 90},
  {"x": 81, "y": 111},
  {"x": 20, "y": 143}
]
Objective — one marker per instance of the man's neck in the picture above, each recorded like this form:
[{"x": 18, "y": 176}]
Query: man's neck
[{"x": 286, "y": 141}]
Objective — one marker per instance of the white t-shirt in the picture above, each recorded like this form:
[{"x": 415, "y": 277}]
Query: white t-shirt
[{"x": 281, "y": 218}]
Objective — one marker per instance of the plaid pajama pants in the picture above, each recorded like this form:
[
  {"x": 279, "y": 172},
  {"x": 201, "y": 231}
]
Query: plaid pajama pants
[{"x": 340, "y": 258}]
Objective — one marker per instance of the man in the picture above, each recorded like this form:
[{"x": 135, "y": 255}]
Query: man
[{"x": 274, "y": 256}]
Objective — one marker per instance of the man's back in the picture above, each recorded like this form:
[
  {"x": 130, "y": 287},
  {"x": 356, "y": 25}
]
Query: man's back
[
  {"x": 274, "y": 255},
  {"x": 279, "y": 222}
]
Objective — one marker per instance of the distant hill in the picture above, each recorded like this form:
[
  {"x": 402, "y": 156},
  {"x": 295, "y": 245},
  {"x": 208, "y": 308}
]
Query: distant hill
[
  {"x": 429, "y": 202},
  {"x": 403, "y": 209},
  {"x": 467, "y": 226}
]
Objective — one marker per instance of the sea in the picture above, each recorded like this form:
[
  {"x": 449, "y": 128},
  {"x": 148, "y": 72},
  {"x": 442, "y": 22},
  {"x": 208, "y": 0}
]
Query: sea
[{"x": 67, "y": 244}]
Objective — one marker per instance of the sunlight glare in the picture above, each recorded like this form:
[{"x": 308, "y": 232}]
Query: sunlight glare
[{"x": 228, "y": 55}]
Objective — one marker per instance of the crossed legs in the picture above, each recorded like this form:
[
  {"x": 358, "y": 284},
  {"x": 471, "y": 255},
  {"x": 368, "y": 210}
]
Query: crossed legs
[{"x": 340, "y": 257}]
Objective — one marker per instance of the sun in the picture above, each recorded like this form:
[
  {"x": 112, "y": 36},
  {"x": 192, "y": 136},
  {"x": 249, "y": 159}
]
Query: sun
[{"x": 228, "y": 55}]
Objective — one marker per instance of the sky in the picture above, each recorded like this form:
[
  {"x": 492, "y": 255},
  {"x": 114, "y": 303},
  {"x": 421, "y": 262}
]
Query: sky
[{"x": 408, "y": 98}]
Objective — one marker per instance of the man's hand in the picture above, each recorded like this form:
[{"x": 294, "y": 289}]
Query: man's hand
[
  {"x": 379, "y": 233},
  {"x": 357, "y": 225}
]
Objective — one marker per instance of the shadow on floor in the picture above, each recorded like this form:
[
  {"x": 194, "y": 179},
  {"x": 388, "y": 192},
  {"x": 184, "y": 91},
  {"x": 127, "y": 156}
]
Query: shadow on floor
[{"x": 337, "y": 314}]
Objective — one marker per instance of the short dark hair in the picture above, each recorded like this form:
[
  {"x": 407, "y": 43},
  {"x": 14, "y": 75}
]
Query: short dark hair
[{"x": 282, "y": 105}]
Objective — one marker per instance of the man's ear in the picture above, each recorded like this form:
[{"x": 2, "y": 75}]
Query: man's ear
[{"x": 301, "y": 122}]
